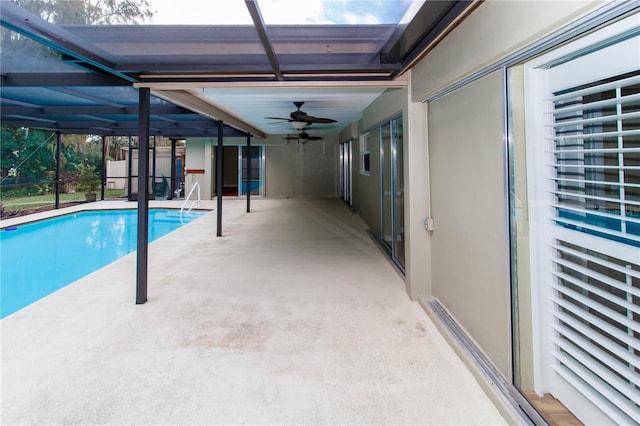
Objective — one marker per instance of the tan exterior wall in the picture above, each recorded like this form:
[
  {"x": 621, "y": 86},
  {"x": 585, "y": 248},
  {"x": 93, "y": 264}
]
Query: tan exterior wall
[
  {"x": 292, "y": 170},
  {"x": 415, "y": 163},
  {"x": 417, "y": 201},
  {"x": 465, "y": 145},
  {"x": 494, "y": 30}
]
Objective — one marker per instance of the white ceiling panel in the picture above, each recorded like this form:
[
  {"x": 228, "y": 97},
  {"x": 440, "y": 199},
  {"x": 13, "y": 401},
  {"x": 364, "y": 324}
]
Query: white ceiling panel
[{"x": 253, "y": 105}]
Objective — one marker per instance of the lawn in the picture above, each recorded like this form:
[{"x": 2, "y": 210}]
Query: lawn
[{"x": 27, "y": 202}]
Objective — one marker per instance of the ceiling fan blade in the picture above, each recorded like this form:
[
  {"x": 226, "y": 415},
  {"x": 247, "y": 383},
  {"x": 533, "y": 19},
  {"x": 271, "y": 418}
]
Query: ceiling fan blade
[
  {"x": 299, "y": 116},
  {"x": 278, "y": 118},
  {"x": 315, "y": 138},
  {"x": 320, "y": 120}
]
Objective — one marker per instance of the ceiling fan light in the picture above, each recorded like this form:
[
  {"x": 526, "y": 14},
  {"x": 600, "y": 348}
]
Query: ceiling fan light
[{"x": 299, "y": 125}]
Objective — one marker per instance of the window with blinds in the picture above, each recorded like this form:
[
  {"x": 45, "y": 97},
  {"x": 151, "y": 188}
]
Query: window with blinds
[{"x": 595, "y": 205}]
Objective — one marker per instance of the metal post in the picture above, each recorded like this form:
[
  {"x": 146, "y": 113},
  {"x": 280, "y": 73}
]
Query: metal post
[
  {"x": 58, "y": 180},
  {"x": 143, "y": 195},
  {"x": 152, "y": 190},
  {"x": 249, "y": 158},
  {"x": 172, "y": 178},
  {"x": 129, "y": 177},
  {"x": 219, "y": 176},
  {"x": 103, "y": 174}
]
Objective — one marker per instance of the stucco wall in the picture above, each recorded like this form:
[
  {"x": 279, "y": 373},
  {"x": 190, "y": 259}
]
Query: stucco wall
[
  {"x": 469, "y": 247},
  {"x": 294, "y": 170},
  {"x": 494, "y": 30}
]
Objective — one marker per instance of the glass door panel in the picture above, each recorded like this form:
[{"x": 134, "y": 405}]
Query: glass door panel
[
  {"x": 257, "y": 178},
  {"x": 386, "y": 161},
  {"x": 348, "y": 177},
  {"x": 398, "y": 191},
  {"x": 341, "y": 167}
]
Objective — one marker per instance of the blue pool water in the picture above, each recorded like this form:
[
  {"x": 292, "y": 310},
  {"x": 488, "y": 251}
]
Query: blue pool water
[{"x": 39, "y": 258}]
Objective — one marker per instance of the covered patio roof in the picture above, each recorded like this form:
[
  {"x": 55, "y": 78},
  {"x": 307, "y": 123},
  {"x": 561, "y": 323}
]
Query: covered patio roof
[
  {"x": 206, "y": 80},
  {"x": 84, "y": 78}
]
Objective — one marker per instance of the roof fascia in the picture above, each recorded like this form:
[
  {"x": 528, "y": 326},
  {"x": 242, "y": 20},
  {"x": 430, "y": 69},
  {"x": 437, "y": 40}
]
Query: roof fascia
[
  {"x": 418, "y": 39},
  {"x": 161, "y": 86}
]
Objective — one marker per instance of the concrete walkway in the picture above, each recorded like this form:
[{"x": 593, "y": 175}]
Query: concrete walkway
[{"x": 292, "y": 317}]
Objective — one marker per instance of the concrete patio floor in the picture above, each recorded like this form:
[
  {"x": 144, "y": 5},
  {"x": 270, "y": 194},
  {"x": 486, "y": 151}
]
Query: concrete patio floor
[{"x": 292, "y": 317}]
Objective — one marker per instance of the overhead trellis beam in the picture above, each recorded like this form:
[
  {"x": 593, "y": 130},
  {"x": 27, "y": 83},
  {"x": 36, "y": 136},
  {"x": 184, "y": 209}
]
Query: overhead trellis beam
[
  {"x": 13, "y": 103},
  {"x": 87, "y": 96},
  {"x": 260, "y": 27},
  {"x": 77, "y": 122},
  {"x": 25, "y": 108},
  {"x": 108, "y": 131},
  {"x": 52, "y": 79}
]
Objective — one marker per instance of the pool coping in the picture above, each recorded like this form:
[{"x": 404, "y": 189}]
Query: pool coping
[{"x": 207, "y": 205}]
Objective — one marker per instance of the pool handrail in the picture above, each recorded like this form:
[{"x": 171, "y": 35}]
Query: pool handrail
[{"x": 196, "y": 202}]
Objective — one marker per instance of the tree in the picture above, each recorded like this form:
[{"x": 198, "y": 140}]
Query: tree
[
  {"x": 28, "y": 154},
  {"x": 90, "y": 12}
]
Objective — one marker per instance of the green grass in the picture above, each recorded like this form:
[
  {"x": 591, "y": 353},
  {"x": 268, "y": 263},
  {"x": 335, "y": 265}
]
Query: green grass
[{"x": 27, "y": 202}]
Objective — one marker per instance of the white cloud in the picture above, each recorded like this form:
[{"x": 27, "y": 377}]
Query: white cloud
[
  {"x": 289, "y": 12},
  {"x": 200, "y": 12},
  {"x": 274, "y": 12}
]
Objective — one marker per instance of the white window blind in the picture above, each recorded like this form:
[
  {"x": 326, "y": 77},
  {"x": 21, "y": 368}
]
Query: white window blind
[{"x": 595, "y": 211}]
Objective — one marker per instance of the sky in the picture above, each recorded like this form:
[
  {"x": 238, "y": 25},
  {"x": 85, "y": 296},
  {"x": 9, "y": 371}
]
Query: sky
[{"x": 280, "y": 12}]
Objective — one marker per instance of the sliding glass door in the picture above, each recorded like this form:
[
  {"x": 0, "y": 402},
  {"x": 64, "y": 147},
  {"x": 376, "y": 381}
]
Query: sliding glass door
[
  {"x": 392, "y": 194},
  {"x": 256, "y": 159},
  {"x": 345, "y": 172}
]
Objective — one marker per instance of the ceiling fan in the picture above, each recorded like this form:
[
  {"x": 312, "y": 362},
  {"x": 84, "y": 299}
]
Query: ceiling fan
[
  {"x": 300, "y": 119},
  {"x": 303, "y": 137}
]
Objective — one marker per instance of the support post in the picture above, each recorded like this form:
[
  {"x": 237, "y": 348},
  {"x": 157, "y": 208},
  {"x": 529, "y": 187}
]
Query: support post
[
  {"x": 143, "y": 195},
  {"x": 130, "y": 171},
  {"x": 249, "y": 161},
  {"x": 152, "y": 150},
  {"x": 58, "y": 180},
  {"x": 103, "y": 173},
  {"x": 172, "y": 178},
  {"x": 219, "y": 176}
]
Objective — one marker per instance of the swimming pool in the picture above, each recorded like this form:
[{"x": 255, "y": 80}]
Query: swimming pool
[{"x": 39, "y": 258}]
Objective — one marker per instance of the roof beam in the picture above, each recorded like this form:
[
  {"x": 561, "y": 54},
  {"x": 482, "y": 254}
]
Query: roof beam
[
  {"x": 176, "y": 132},
  {"x": 25, "y": 108},
  {"x": 26, "y": 105},
  {"x": 188, "y": 100},
  {"x": 29, "y": 119},
  {"x": 78, "y": 122},
  {"x": 258, "y": 22},
  {"x": 28, "y": 79},
  {"x": 86, "y": 96}
]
